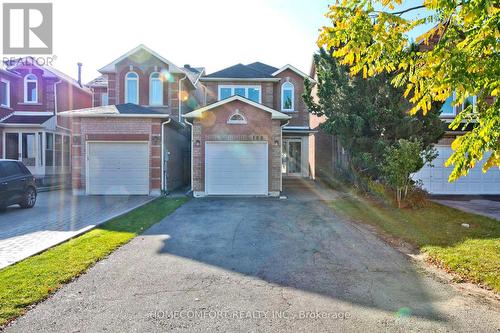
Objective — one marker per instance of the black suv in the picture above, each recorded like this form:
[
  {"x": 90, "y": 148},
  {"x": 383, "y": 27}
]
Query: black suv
[{"x": 17, "y": 185}]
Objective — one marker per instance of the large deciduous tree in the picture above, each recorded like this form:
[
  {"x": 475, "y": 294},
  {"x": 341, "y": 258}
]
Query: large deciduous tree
[
  {"x": 460, "y": 54},
  {"x": 367, "y": 116}
]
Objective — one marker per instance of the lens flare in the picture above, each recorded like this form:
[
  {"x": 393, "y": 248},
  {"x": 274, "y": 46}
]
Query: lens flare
[
  {"x": 403, "y": 312},
  {"x": 183, "y": 95},
  {"x": 166, "y": 76}
]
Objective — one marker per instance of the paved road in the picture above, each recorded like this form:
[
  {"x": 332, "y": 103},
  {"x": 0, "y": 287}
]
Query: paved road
[
  {"x": 57, "y": 216},
  {"x": 258, "y": 265},
  {"x": 489, "y": 208}
]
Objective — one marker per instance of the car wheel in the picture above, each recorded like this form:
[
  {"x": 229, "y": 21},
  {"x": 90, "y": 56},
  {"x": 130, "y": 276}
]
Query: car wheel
[{"x": 29, "y": 199}]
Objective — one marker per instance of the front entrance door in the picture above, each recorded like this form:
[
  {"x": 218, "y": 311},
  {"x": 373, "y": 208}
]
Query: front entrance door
[{"x": 291, "y": 157}]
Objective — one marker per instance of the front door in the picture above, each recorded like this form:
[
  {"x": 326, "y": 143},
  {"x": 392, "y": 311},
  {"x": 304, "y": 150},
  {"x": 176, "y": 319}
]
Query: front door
[{"x": 291, "y": 157}]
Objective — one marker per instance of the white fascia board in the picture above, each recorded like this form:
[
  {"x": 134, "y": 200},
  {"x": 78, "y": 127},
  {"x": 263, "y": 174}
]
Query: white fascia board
[
  {"x": 294, "y": 69},
  {"x": 111, "y": 66},
  {"x": 225, "y": 79}
]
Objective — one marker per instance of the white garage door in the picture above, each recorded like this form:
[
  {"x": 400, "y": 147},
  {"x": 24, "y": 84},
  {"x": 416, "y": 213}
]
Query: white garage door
[
  {"x": 435, "y": 179},
  {"x": 234, "y": 168},
  {"x": 118, "y": 168}
]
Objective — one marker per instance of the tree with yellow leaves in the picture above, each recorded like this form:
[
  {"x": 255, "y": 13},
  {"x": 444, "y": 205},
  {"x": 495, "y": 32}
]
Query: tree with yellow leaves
[{"x": 460, "y": 54}]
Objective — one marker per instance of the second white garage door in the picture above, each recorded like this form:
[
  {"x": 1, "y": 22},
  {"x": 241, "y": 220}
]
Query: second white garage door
[
  {"x": 118, "y": 168},
  {"x": 236, "y": 168},
  {"x": 435, "y": 179}
]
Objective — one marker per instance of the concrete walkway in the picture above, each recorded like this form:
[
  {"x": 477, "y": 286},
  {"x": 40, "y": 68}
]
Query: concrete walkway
[
  {"x": 258, "y": 265},
  {"x": 56, "y": 217}
]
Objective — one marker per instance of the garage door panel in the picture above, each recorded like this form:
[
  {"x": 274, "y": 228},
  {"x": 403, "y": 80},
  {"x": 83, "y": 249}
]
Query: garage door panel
[
  {"x": 236, "y": 168},
  {"x": 118, "y": 168},
  {"x": 435, "y": 179}
]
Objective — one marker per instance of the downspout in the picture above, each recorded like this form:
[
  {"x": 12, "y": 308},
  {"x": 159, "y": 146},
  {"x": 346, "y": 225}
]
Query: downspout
[
  {"x": 190, "y": 124},
  {"x": 281, "y": 153},
  {"x": 164, "y": 188},
  {"x": 180, "y": 96},
  {"x": 55, "y": 106}
]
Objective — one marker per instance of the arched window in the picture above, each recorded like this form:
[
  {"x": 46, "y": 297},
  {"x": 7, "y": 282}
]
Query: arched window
[
  {"x": 237, "y": 118},
  {"x": 132, "y": 88},
  {"x": 287, "y": 97},
  {"x": 155, "y": 89},
  {"x": 30, "y": 89}
]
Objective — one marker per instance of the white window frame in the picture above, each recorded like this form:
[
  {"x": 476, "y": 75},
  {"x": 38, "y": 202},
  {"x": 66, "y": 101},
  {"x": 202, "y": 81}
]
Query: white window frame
[
  {"x": 26, "y": 81},
  {"x": 236, "y": 86},
  {"x": 126, "y": 86},
  {"x": 151, "y": 90},
  {"x": 456, "y": 108},
  {"x": 7, "y": 93},
  {"x": 286, "y": 86},
  {"x": 102, "y": 99},
  {"x": 232, "y": 121}
]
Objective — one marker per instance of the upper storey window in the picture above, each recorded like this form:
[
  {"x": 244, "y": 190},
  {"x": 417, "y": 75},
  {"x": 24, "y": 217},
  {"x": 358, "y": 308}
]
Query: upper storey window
[
  {"x": 132, "y": 88},
  {"x": 30, "y": 89},
  {"x": 4, "y": 93},
  {"x": 250, "y": 92},
  {"x": 287, "y": 97},
  {"x": 450, "y": 110},
  {"x": 155, "y": 89}
]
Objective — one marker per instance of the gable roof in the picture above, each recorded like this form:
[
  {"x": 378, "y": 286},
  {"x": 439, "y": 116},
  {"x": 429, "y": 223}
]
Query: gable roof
[
  {"x": 274, "y": 114},
  {"x": 120, "y": 110},
  {"x": 264, "y": 68},
  {"x": 255, "y": 70},
  {"x": 293, "y": 69},
  {"x": 48, "y": 71},
  {"x": 111, "y": 66},
  {"x": 193, "y": 73},
  {"x": 100, "y": 81}
]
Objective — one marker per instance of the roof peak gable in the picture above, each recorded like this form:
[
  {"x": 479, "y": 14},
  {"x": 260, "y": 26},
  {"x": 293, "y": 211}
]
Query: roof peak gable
[{"x": 111, "y": 66}]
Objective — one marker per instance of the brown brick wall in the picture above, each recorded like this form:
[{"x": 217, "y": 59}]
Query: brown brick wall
[
  {"x": 213, "y": 126},
  {"x": 300, "y": 116},
  {"x": 112, "y": 129}
]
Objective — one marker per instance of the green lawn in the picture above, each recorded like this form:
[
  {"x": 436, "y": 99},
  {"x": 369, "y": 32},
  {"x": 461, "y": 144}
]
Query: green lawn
[
  {"x": 472, "y": 253},
  {"x": 33, "y": 279}
]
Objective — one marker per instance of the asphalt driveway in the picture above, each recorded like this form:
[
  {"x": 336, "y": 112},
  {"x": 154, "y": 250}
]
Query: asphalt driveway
[
  {"x": 255, "y": 265},
  {"x": 56, "y": 217},
  {"x": 486, "y": 207}
]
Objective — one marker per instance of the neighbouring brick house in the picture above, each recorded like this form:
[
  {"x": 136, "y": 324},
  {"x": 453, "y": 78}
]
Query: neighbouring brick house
[
  {"x": 133, "y": 140},
  {"x": 31, "y": 97},
  {"x": 252, "y": 131}
]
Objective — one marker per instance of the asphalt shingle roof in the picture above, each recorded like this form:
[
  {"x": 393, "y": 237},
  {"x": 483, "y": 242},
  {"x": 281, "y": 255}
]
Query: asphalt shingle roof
[
  {"x": 130, "y": 108},
  {"x": 256, "y": 70},
  {"x": 21, "y": 119}
]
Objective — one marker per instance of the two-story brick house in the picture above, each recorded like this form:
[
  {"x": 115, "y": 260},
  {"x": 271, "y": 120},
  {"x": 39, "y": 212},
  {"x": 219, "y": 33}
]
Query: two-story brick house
[
  {"x": 252, "y": 131},
  {"x": 31, "y": 96},
  {"x": 237, "y": 131},
  {"x": 133, "y": 139}
]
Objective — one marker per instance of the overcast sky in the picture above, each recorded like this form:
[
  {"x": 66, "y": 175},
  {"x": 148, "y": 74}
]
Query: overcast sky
[{"x": 210, "y": 33}]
